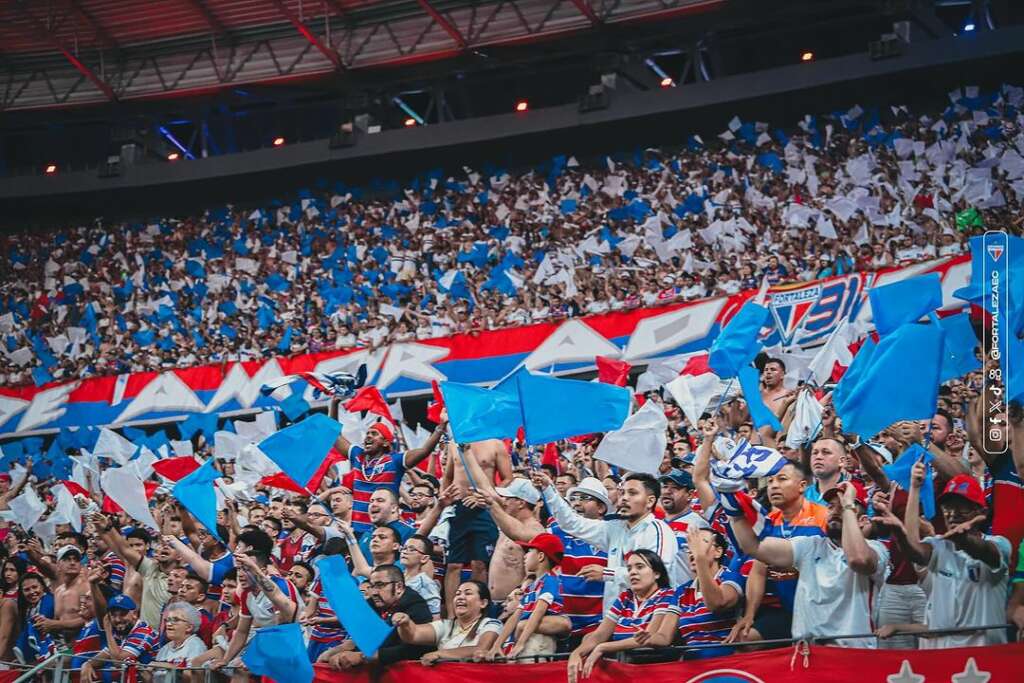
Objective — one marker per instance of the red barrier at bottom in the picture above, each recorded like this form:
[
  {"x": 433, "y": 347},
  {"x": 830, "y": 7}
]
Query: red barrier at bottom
[{"x": 999, "y": 664}]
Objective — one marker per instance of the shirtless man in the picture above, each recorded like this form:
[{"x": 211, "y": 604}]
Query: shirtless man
[
  {"x": 72, "y": 585},
  {"x": 518, "y": 500},
  {"x": 772, "y": 390},
  {"x": 472, "y": 533}
]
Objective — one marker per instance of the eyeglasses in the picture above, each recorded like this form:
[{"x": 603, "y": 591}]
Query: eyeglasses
[
  {"x": 173, "y": 620},
  {"x": 581, "y": 497},
  {"x": 379, "y": 585},
  {"x": 420, "y": 494},
  {"x": 412, "y": 549}
]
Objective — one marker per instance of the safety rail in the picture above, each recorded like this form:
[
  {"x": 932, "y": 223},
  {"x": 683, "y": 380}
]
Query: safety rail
[{"x": 55, "y": 664}]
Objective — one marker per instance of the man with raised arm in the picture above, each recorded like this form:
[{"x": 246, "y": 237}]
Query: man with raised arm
[
  {"x": 636, "y": 528},
  {"x": 376, "y": 464},
  {"x": 839, "y": 573}
]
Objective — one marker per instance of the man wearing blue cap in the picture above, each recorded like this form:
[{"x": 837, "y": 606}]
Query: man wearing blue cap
[
  {"x": 129, "y": 639},
  {"x": 677, "y": 491}
]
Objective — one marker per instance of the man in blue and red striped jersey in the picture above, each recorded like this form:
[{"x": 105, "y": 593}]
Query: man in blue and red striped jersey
[
  {"x": 137, "y": 641},
  {"x": 376, "y": 464}
]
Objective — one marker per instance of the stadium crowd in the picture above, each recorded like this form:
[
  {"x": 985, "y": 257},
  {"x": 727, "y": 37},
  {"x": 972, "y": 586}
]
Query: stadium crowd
[
  {"x": 339, "y": 267},
  {"x": 490, "y": 551}
]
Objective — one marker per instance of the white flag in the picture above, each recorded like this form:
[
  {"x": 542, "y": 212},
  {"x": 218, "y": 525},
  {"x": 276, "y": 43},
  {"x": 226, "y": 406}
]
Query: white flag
[
  {"x": 66, "y": 510},
  {"x": 27, "y": 508},
  {"x": 125, "y": 488},
  {"x": 639, "y": 445},
  {"x": 806, "y": 420},
  {"x": 693, "y": 393},
  {"x": 835, "y": 349},
  {"x": 112, "y": 445}
]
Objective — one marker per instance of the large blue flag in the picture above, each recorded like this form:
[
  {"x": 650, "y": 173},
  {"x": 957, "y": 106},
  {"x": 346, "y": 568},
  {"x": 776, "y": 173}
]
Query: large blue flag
[
  {"x": 760, "y": 414},
  {"x": 738, "y": 343},
  {"x": 279, "y": 653},
  {"x": 899, "y": 382},
  {"x": 196, "y": 493},
  {"x": 300, "y": 449},
  {"x": 899, "y": 472},
  {"x": 363, "y": 625},
  {"x": 556, "y": 409},
  {"x": 906, "y": 301},
  {"x": 475, "y": 413},
  {"x": 959, "y": 358}
]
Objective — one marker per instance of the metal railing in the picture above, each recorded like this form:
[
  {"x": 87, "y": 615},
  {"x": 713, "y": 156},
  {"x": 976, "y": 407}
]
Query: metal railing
[{"x": 61, "y": 673}]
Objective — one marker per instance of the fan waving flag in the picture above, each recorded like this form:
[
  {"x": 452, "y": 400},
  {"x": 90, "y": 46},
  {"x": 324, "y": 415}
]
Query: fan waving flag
[
  {"x": 900, "y": 470},
  {"x": 475, "y": 413},
  {"x": 197, "y": 494},
  {"x": 746, "y": 461},
  {"x": 279, "y": 653},
  {"x": 301, "y": 448},
  {"x": 906, "y": 301},
  {"x": 367, "y": 630}
]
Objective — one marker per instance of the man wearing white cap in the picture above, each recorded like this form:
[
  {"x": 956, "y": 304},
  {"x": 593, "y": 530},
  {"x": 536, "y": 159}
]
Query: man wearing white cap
[
  {"x": 583, "y": 564},
  {"x": 506, "y": 573},
  {"x": 72, "y": 585}
]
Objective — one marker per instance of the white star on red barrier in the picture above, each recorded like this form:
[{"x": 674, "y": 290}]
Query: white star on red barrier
[
  {"x": 970, "y": 674},
  {"x": 905, "y": 675}
]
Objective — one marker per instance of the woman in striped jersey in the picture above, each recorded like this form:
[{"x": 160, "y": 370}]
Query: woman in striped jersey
[{"x": 643, "y": 616}]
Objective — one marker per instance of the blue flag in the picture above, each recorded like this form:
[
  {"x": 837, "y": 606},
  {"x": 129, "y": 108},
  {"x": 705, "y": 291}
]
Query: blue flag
[
  {"x": 899, "y": 382},
  {"x": 762, "y": 415},
  {"x": 197, "y": 494},
  {"x": 299, "y": 449},
  {"x": 475, "y": 413},
  {"x": 899, "y": 472},
  {"x": 278, "y": 652},
  {"x": 205, "y": 423},
  {"x": 556, "y": 409},
  {"x": 286, "y": 340},
  {"x": 738, "y": 343},
  {"x": 959, "y": 358},
  {"x": 906, "y": 301},
  {"x": 41, "y": 376},
  {"x": 294, "y": 406},
  {"x": 363, "y": 625}
]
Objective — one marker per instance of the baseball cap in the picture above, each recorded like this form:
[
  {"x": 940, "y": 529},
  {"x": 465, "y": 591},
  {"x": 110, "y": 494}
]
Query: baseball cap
[
  {"x": 861, "y": 496},
  {"x": 965, "y": 486},
  {"x": 881, "y": 450},
  {"x": 590, "y": 486},
  {"x": 549, "y": 544},
  {"x": 383, "y": 430},
  {"x": 519, "y": 488},
  {"x": 64, "y": 550},
  {"x": 681, "y": 461},
  {"x": 677, "y": 477},
  {"x": 121, "y": 601}
]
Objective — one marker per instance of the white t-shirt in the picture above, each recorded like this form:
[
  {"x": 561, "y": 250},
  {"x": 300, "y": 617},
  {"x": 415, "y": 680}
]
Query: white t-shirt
[
  {"x": 191, "y": 648},
  {"x": 832, "y": 599},
  {"x": 428, "y": 590},
  {"x": 450, "y": 635},
  {"x": 963, "y": 591}
]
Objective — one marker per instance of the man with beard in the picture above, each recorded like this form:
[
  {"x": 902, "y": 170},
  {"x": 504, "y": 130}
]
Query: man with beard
[
  {"x": 154, "y": 571},
  {"x": 375, "y": 464},
  {"x": 839, "y": 573},
  {"x": 636, "y": 528},
  {"x": 772, "y": 390},
  {"x": 129, "y": 639},
  {"x": 677, "y": 490},
  {"x": 388, "y": 595}
]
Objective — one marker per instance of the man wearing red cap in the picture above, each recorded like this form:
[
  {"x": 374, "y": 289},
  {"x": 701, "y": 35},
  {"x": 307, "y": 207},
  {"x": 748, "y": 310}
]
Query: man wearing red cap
[
  {"x": 839, "y": 573},
  {"x": 968, "y": 571},
  {"x": 377, "y": 465}
]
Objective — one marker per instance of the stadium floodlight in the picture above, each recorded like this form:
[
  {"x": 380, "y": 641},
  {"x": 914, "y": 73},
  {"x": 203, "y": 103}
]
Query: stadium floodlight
[
  {"x": 50, "y": 169},
  {"x": 173, "y": 156},
  {"x": 665, "y": 78},
  {"x": 417, "y": 119},
  {"x": 410, "y": 122},
  {"x": 807, "y": 56},
  {"x": 969, "y": 26},
  {"x": 174, "y": 141},
  {"x": 278, "y": 141},
  {"x": 522, "y": 106}
]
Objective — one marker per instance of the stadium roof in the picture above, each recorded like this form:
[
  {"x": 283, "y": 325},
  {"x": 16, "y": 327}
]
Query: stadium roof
[{"x": 71, "y": 52}]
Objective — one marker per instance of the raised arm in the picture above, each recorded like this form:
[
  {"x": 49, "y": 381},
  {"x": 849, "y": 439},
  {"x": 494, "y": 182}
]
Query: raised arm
[
  {"x": 199, "y": 564},
  {"x": 115, "y": 541},
  {"x": 860, "y": 556},
  {"x": 702, "y": 469},
  {"x": 866, "y": 457},
  {"x": 919, "y": 553},
  {"x": 302, "y": 521},
  {"x": 342, "y": 444},
  {"x": 775, "y": 552},
  {"x": 593, "y": 531},
  {"x": 286, "y": 608},
  {"x": 16, "y": 489},
  {"x": 414, "y": 455}
]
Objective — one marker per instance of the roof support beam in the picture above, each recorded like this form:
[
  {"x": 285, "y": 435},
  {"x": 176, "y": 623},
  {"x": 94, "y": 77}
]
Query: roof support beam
[
  {"x": 97, "y": 28},
  {"x": 213, "y": 22},
  {"x": 314, "y": 40},
  {"x": 448, "y": 26},
  {"x": 45, "y": 33},
  {"x": 586, "y": 10}
]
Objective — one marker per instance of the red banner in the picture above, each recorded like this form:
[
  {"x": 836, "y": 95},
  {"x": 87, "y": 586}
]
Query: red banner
[{"x": 818, "y": 664}]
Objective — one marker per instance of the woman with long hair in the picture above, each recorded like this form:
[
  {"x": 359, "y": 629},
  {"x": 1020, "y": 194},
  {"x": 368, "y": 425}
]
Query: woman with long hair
[
  {"x": 13, "y": 569},
  {"x": 469, "y": 632},
  {"x": 34, "y": 600},
  {"x": 643, "y": 616}
]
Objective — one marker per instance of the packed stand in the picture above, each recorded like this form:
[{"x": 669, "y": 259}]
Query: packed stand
[{"x": 338, "y": 267}]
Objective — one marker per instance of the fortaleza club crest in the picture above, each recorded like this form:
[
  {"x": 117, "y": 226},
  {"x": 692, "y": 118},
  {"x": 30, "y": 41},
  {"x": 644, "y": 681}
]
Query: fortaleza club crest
[
  {"x": 789, "y": 309},
  {"x": 995, "y": 251},
  {"x": 725, "y": 676}
]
